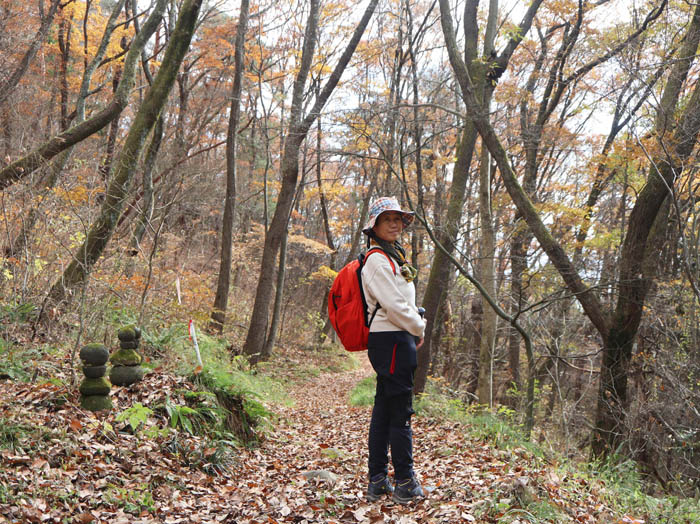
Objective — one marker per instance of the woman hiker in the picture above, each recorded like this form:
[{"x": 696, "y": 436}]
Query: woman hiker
[{"x": 395, "y": 329}]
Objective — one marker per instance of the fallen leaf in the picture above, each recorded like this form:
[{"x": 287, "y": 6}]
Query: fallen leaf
[
  {"x": 16, "y": 460},
  {"x": 84, "y": 518}
]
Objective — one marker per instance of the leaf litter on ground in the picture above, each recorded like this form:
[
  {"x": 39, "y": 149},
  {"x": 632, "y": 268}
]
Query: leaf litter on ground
[{"x": 74, "y": 466}]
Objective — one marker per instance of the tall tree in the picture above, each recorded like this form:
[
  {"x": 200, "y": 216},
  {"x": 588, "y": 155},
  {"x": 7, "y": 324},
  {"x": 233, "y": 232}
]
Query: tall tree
[
  {"x": 296, "y": 133},
  {"x": 494, "y": 65},
  {"x": 677, "y": 127},
  {"x": 119, "y": 188},
  {"x": 487, "y": 241},
  {"x": 218, "y": 314}
]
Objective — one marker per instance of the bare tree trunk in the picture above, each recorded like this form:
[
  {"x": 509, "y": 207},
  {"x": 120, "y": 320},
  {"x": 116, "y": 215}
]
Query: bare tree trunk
[
  {"x": 487, "y": 244},
  {"x": 9, "y": 85},
  {"x": 487, "y": 248},
  {"x": 106, "y": 166},
  {"x": 218, "y": 315},
  {"x": 279, "y": 296},
  {"x": 298, "y": 128},
  {"x": 102, "y": 229},
  {"x": 518, "y": 264},
  {"x": 26, "y": 165},
  {"x": 472, "y": 343},
  {"x": 393, "y": 114},
  {"x": 147, "y": 201},
  {"x": 438, "y": 279}
]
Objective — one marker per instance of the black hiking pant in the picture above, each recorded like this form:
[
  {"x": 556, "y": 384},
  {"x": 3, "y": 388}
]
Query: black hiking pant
[{"x": 393, "y": 357}]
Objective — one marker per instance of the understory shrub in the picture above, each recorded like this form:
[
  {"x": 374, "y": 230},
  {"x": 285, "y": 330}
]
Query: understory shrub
[{"x": 245, "y": 416}]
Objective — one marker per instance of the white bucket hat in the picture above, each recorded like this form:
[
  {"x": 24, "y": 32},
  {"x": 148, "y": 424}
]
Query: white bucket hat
[{"x": 384, "y": 204}]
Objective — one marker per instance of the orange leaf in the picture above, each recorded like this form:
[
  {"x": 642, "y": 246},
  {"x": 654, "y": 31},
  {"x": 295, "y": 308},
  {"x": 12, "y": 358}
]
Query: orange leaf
[{"x": 84, "y": 518}]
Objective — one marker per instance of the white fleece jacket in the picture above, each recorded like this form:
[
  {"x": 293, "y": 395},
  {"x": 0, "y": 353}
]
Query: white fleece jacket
[{"x": 396, "y": 296}]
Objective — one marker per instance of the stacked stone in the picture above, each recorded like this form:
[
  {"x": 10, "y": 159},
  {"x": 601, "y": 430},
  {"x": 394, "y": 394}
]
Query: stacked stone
[
  {"x": 94, "y": 390},
  {"x": 125, "y": 361}
]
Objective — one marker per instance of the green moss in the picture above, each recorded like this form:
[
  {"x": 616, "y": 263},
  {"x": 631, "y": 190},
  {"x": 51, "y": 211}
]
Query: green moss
[
  {"x": 125, "y": 375},
  {"x": 129, "y": 333},
  {"x": 125, "y": 357},
  {"x": 94, "y": 371},
  {"x": 94, "y": 354},
  {"x": 96, "y": 403},
  {"x": 95, "y": 386}
]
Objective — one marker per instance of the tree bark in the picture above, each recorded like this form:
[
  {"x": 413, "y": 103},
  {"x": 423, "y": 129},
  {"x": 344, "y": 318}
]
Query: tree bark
[
  {"x": 26, "y": 165},
  {"x": 106, "y": 165},
  {"x": 9, "y": 85},
  {"x": 147, "y": 185},
  {"x": 487, "y": 244},
  {"x": 279, "y": 296},
  {"x": 102, "y": 229},
  {"x": 298, "y": 128},
  {"x": 487, "y": 249},
  {"x": 218, "y": 314},
  {"x": 438, "y": 279}
]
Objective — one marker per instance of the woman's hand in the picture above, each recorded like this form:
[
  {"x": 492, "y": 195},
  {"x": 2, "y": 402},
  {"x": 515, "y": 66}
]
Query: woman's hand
[{"x": 419, "y": 343}]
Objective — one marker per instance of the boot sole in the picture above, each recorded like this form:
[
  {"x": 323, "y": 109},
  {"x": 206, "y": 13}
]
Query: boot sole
[
  {"x": 374, "y": 498},
  {"x": 400, "y": 500}
]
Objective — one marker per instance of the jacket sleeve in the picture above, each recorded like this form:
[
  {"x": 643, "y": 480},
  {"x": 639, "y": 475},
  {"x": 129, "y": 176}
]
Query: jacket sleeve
[{"x": 381, "y": 283}]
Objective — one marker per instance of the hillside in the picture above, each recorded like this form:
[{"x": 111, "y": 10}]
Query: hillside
[{"x": 62, "y": 464}]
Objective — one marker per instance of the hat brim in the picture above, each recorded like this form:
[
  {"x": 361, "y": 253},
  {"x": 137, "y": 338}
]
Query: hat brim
[{"x": 407, "y": 217}]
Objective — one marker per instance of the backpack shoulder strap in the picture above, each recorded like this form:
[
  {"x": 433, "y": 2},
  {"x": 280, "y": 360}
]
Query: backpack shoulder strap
[
  {"x": 380, "y": 250},
  {"x": 363, "y": 259}
]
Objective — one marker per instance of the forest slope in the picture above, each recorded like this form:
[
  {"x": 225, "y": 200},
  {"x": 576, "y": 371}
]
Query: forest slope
[{"x": 61, "y": 464}]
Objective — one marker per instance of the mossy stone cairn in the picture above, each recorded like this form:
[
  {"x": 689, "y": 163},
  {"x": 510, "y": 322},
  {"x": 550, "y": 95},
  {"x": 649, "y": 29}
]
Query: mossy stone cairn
[
  {"x": 126, "y": 369},
  {"x": 94, "y": 390}
]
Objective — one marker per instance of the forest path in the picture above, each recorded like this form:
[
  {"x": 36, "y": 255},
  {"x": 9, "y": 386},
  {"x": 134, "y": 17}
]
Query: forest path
[
  {"x": 60, "y": 464},
  {"x": 322, "y": 432}
]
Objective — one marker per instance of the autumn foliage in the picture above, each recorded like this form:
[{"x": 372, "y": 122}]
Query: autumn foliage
[{"x": 578, "y": 213}]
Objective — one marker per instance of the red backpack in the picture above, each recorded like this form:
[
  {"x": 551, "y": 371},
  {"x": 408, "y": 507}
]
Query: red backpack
[{"x": 347, "y": 306}]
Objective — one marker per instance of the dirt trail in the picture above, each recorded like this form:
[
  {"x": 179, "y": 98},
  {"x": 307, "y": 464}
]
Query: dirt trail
[
  {"x": 469, "y": 480},
  {"x": 94, "y": 474},
  {"x": 323, "y": 433}
]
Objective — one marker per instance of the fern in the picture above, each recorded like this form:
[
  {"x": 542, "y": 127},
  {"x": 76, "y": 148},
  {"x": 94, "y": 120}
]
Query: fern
[{"x": 136, "y": 416}]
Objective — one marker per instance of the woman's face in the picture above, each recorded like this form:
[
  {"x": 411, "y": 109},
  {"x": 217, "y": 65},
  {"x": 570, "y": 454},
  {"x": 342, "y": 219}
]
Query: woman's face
[{"x": 389, "y": 226}]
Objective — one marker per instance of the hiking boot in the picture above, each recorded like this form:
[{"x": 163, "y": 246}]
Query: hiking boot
[
  {"x": 378, "y": 485},
  {"x": 407, "y": 490}
]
